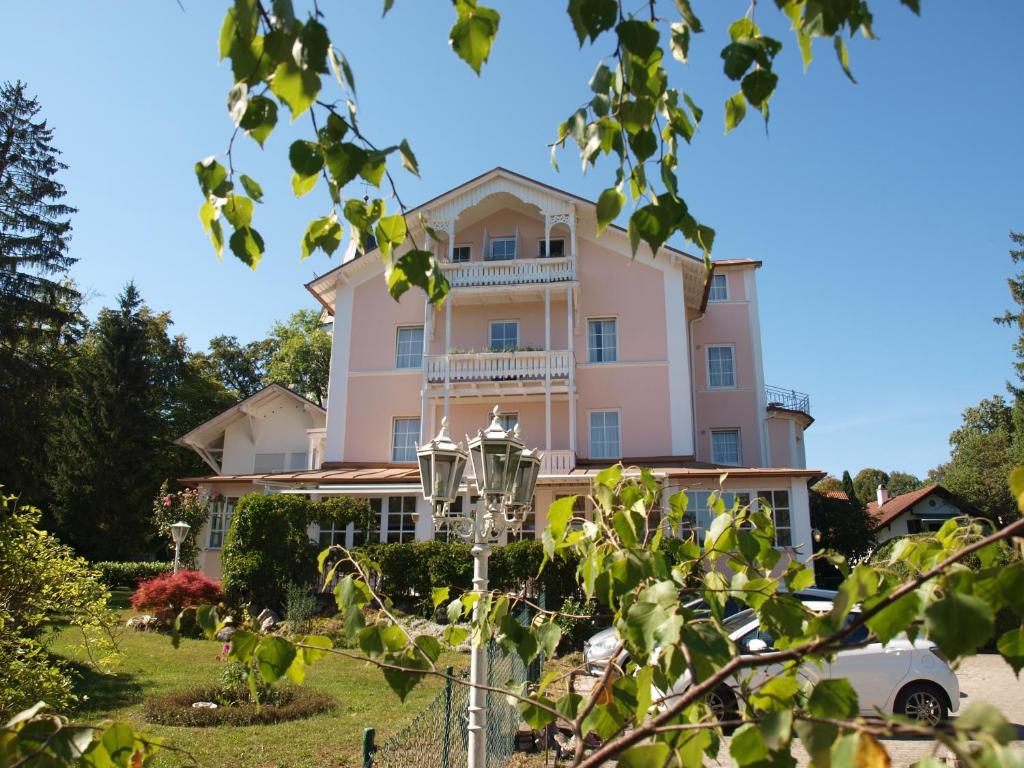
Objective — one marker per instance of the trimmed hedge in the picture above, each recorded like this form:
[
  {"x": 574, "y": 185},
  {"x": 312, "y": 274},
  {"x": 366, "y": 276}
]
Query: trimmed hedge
[{"x": 128, "y": 574}]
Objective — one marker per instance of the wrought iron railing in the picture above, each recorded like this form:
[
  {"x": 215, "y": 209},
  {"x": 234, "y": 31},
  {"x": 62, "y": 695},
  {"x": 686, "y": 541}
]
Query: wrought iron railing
[{"x": 789, "y": 399}]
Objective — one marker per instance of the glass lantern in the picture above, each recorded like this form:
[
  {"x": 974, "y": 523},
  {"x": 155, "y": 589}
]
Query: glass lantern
[
  {"x": 495, "y": 453},
  {"x": 442, "y": 464},
  {"x": 179, "y": 531},
  {"x": 523, "y": 486}
]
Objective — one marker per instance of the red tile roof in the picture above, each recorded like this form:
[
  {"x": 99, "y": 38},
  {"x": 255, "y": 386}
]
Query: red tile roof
[
  {"x": 897, "y": 505},
  {"x": 841, "y": 495}
]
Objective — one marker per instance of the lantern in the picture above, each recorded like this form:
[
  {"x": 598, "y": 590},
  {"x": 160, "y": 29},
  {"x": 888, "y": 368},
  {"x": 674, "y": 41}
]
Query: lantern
[
  {"x": 179, "y": 531},
  {"x": 442, "y": 464},
  {"x": 495, "y": 453}
]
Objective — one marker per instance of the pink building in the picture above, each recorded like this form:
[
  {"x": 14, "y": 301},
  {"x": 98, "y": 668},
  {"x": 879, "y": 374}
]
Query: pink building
[{"x": 599, "y": 356}]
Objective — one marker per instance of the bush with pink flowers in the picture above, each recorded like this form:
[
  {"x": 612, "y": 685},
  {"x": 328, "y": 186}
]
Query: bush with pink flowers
[
  {"x": 189, "y": 505},
  {"x": 165, "y": 596}
]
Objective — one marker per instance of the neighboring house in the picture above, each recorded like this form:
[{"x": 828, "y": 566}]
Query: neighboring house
[
  {"x": 274, "y": 430},
  {"x": 837, "y": 495},
  {"x": 920, "y": 511},
  {"x": 597, "y": 355}
]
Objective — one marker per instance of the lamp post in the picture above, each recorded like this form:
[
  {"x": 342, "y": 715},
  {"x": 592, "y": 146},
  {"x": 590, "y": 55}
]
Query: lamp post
[
  {"x": 179, "y": 531},
  {"x": 505, "y": 477}
]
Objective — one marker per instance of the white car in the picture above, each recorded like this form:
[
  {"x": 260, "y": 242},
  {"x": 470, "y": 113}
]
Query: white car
[{"x": 901, "y": 677}]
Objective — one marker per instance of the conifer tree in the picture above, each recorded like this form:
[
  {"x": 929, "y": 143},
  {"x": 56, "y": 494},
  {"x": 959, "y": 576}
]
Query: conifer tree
[{"x": 851, "y": 492}]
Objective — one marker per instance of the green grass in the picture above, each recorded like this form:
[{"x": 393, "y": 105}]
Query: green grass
[{"x": 150, "y": 665}]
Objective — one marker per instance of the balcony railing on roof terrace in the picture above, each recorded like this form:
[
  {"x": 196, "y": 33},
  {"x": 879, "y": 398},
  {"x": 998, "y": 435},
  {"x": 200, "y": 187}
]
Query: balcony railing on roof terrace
[
  {"x": 789, "y": 399},
  {"x": 510, "y": 272}
]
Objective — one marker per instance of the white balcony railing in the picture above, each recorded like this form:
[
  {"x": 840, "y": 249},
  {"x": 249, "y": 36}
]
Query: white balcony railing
[
  {"x": 557, "y": 462},
  {"x": 512, "y": 272},
  {"x": 497, "y": 366}
]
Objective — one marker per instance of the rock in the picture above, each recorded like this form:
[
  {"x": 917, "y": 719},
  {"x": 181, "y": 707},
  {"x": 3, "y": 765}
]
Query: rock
[
  {"x": 204, "y": 705},
  {"x": 143, "y": 623},
  {"x": 225, "y": 634},
  {"x": 267, "y": 620}
]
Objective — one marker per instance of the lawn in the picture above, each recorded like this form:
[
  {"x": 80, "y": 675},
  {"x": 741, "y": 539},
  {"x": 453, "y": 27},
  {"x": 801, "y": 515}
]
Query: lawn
[{"x": 151, "y": 665}]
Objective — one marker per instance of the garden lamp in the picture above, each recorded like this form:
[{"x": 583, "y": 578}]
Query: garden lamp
[
  {"x": 442, "y": 465},
  {"x": 518, "y": 506},
  {"x": 179, "y": 531}
]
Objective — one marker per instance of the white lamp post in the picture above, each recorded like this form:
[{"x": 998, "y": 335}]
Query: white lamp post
[
  {"x": 179, "y": 531},
  {"x": 506, "y": 476}
]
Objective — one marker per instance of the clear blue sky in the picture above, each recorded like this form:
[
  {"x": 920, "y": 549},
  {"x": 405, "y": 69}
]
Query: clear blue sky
[{"x": 880, "y": 210}]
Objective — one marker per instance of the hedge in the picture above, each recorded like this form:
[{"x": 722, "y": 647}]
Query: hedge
[{"x": 128, "y": 574}]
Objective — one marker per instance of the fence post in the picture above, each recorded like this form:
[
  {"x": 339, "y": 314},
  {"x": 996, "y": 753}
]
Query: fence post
[
  {"x": 368, "y": 747},
  {"x": 446, "y": 743}
]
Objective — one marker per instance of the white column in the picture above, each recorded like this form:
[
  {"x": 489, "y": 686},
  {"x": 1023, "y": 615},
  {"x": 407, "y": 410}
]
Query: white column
[
  {"x": 572, "y": 370},
  {"x": 428, "y": 316},
  {"x": 447, "y": 348},
  {"x": 547, "y": 370},
  {"x": 337, "y": 398},
  {"x": 547, "y": 234}
]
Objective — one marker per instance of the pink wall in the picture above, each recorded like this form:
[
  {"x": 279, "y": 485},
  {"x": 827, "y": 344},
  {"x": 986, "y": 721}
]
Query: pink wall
[
  {"x": 778, "y": 443},
  {"x": 471, "y": 324},
  {"x": 466, "y": 418},
  {"x": 373, "y": 402},
  {"x": 375, "y": 321},
  {"x": 503, "y": 223},
  {"x": 641, "y": 396}
]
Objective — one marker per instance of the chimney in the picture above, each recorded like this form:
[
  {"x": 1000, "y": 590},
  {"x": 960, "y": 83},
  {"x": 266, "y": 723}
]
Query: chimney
[{"x": 883, "y": 495}]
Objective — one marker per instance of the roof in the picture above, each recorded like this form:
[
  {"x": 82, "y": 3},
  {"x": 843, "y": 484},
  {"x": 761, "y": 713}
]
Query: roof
[
  {"x": 222, "y": 419},
  {"x": 897, "y": 505},
  {"x": 353, "y": 255},
  {"x": 840, "y": 495}
]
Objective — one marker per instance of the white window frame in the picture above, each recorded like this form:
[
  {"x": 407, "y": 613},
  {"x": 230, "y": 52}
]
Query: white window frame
[
  {"x": 698, "y": 515},
  {"x": 404, "y": 356},
  {"x": 615, "y": 349},
  {"x": 739, "y": 447},
  {"x": 508, "y": 239},
  {"x": 458, "y": 247},
  {"x": 787, "y": 529},
  {"x": 279, "y": 468},
  {"x": 220, "y": 511},
  {"x": 394, "y": 437},
  {"x": 508, "y": 417},
  {"x": 707, "y": 363},
  {"x": 540, "y": 248},
  {"x": 403, "y": 533},
  {"x": 720, "y": 280},
  {"x": 490, "y": 335},
  {"x": 590, "y": 432}
]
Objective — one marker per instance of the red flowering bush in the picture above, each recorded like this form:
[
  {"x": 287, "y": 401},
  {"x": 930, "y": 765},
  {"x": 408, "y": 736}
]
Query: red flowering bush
[{"x": 165, "y": 595}]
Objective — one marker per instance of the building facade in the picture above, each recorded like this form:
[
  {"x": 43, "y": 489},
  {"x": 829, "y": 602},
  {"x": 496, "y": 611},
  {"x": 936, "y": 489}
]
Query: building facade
[{"x": 600, "y": 356}]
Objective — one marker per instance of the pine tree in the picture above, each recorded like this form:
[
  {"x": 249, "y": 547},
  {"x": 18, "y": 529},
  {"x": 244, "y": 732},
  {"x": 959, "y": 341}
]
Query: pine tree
[
  {"x": 106, "y": 450},
  {"x": 851, "y": 493},
  {"x": 38, "y": 305},
  {"x": 1016, "y": 319}
]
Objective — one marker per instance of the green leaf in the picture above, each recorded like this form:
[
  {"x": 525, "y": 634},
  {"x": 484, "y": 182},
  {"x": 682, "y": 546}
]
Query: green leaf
[
  {"x": 640, "y": 38},
  {"x": 454, "y": 635},
  {"x": 1011, "y": 585},
  {"x": 559, "y": 514},
  {"x": 247, "y": 244},
  {"x": 374, "y": 166},
  {"x": 844, "y": 57},
  {"x": 429, "y": 645},
  {"x": 959, "y": 623},
  {"x": 212, "y": 177},
  {"x": 237, "y": 104},
  {"x": 310, "y": 50},
  {"x": 776, "y": 727},
  {"x": 592, "y": 17},
  {"x": 341, "y": 68},
  {"x": 737, "y": 59},
  {"x": 238, "y": 211},
  {"x": 834, "y": 699},
  {"x": 609, "y": 205},
  {"x": 254, "y": 190},
  {"x": 345, "y": 161},
  {"x": 439, "y": 595},
  {"x": 777, "y": 694},
  {"x": 320, "y": 646},
  {"x": 474, "y": 32},
  {"x": 652, "y": 224},
  {"x": 747, "y": 745},
  {"x": 735, "y": 111},
  {"x": 609, "y": 477},
  {"x": 119, "y": 742},
  {"x": 259, "y": 119},
  {"x": 758, "y": 86},
  {"x": 895, "y": 618},
  {"x": 402, "y": 682},
  {"x": 303, "y": 185},
  {"x": 533, "y": 715},
  {"x": 208, "y": 213},
  {"x": 680, "y": 41},
  {"x": 306, "y": 158},
  {"x": 324, "y": 234},
  {"x": 391, "y": 232},
  {"x": 206, "y": 617},
  {"x": 548, "y": 637},
  {"x": 986, "y": 718},
  {"x": 274, "y": 655},
  {"x": 1011, "y": 646},
  {"x": 644, "y": 756},
  {"x": 295, "y": 87},
  {"x": 217, "y": 238},
  {"x": 408, "y": 158}
]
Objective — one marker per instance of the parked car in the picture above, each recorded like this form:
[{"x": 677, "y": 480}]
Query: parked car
[
  {"x": 598, "y": 649},
  {"x": 900, "y": 677}
]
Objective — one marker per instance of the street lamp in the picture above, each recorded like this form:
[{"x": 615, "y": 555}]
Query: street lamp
[
  {"x": 179, "y": 531},
  {"x": 506, "y": 476}
]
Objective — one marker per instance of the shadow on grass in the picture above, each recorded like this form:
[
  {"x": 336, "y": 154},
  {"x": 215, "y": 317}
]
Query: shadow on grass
[
  {"x": 120, "y": 597},
  {"x": 105, "y": 692}
]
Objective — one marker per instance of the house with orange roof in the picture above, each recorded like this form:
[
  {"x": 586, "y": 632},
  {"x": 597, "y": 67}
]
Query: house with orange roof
[{"x": 920, "y": 511}]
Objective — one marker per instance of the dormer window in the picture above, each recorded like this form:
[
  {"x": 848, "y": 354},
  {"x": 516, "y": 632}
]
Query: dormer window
[
  {"x": 502, "y": 249},
  {"x": 557, "y": 249}
]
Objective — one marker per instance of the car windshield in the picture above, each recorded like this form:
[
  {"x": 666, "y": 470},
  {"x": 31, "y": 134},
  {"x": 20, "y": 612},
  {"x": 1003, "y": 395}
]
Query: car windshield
[{"x": 737, "y": 620}]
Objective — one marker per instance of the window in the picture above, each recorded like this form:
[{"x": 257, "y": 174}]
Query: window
[
  {"x": 719, "y": 288},
  {"x": 220, "y": 521},
  {"x": 503, "y": 249},
  {"x": 529, "y": 530},
  {"x": 404, "y": 435},
  {"x": 725, "y": 446},
  {"x": 297, "y": 461},
  {"x": 699, "y": 510},
  {"x": 460, "y": 253},
  {"x": 367, "y": 530},
  {"x": 602, "y": 341},
  {"x": 504, "y": 335},
  {"x": 508, "y": 421},
  {"x": 557, "y": 249},
  {"x": 721, "y": 368},
  {"x": 779, "y": 503},
  {"x": 267, "y": 463},
  {"x": 401, "y": 519},
  {"x": 331, "y": 533},
  {"x": 409, "y": 347},
  {"x": 604, "y": 435}
]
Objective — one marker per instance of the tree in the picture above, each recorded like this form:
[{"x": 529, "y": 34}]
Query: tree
[
  {"x": 851, "y": 491},
  {"x": 845, "y": 527},
  {"x": 241, "y": 368},
  {"x": 39, "y": 307},
  {"x": 985, "y": 449},
  {"x": 302, "y": 355},
  {"x": 866, "y": 482},
  {"x": 1015, "y": 319},
  {"x": 828, "y": 484},
  {"x": 903, "y": 482}
]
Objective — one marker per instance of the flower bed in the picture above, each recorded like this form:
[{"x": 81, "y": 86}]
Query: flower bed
[{"x": 283, "y": 703}]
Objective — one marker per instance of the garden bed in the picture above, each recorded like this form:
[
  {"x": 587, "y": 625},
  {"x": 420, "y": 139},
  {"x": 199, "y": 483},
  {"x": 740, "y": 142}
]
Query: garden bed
[{"x": 283, "y": 704}]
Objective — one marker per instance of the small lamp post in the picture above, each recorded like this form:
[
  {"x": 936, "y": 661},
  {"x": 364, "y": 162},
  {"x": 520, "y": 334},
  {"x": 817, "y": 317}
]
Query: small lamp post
[
  {"x": 506, "y": 476},
  {"x": 179, "y": 531}
]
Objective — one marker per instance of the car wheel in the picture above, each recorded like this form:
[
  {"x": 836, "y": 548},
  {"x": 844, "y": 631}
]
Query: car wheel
[
  {"x": 922, "y": 702},
  {"x": 722, "y": 703}
]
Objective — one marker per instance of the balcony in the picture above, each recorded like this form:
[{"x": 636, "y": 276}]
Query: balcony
[
  {"x": 484, "y": 373},
  {"x": 788, "y": 400},
  {"x": 557, "y": 462},
  {"x": 513, "y": 272}
]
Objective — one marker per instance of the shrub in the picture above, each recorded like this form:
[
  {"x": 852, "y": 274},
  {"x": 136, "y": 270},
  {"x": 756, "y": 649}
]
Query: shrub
[
  {"x": 166, "y": 595},
  {"x": 300, "y": 607},
  {"x": 290, "y": 703},
  {"x": 41, "y": 582},
  {"x": 130, "y": 575},
  {"x": 188, "y": 505},
  {"x": 576, "y": 630}
]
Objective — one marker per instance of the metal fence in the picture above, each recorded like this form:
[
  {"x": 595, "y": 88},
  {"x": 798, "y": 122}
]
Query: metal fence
[
  {"x": 438, "y": 736},
  {"x": 789, "y": 399}
]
